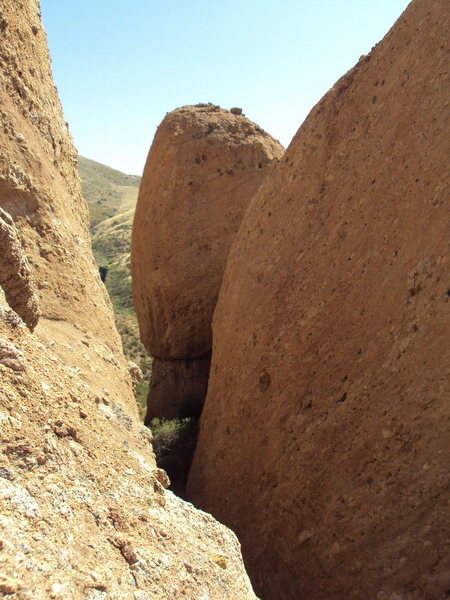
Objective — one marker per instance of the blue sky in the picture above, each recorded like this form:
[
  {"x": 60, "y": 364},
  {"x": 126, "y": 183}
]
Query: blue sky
[{"x": 121, "y": 65}]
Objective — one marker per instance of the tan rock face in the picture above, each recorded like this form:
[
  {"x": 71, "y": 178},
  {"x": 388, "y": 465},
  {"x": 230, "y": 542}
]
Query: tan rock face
[
  {"x": 204, "y": 166},
  {"x": 323, "y": 440},
  {"x": 16, "y": 277},
  {"x": 39, "y": 188},
  {"x": 83, "y": 509}
]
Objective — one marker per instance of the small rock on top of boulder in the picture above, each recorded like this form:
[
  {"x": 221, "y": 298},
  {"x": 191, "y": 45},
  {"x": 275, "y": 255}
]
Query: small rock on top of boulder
[{"x": 204, "y": 167}]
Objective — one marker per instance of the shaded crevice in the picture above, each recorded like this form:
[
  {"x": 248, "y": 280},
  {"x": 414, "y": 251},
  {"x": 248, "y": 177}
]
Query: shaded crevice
[
  {"x": 175, "y": 401},
  {"x": 174, "y": 442},
  {"x": 178, "y": 388}
]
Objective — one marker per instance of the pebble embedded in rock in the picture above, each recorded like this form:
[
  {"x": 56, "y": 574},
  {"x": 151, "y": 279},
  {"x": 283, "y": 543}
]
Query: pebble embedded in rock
[{"x": 11, "y": 357}]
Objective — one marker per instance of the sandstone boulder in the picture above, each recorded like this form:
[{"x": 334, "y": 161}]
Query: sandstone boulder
[
  {"x": 324, "y": 436},
  {"x": 204, "y": 166}
]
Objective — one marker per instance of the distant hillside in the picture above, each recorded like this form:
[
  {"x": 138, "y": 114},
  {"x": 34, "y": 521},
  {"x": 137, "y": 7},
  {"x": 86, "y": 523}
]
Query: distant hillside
[
  {"x": 107, "y": 191},
  {"x": 111, "y": 197}
]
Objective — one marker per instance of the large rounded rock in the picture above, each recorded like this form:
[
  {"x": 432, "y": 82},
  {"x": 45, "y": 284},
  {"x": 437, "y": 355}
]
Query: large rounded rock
[
  {"x": 203, "y": 168},
  {"x": 324, "y": 436}
]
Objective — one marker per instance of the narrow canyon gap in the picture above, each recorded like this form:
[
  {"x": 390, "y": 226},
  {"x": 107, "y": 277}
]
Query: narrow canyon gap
[{"x": 84, "y": 511}]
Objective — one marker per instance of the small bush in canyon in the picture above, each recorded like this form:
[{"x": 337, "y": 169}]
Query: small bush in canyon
[{"x": 174, "y": 444}]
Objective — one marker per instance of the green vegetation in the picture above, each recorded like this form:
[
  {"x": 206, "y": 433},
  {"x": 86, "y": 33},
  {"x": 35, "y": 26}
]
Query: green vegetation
[
  {"x": 111, "y": 197},
  {"x": 174, "y": 444},
  {"x": 141, "y": 396}
]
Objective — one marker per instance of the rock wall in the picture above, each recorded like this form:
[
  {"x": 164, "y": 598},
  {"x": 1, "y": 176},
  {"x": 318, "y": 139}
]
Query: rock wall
[
  {"x": 324, "y": 440},
  {"x": 84, "y": 513},
  {"x": 83, "y": 509},
  {"x": 204, "y": 166},
  {"x": 40, "y": 190},
  {"x": 16, "y": 277}
]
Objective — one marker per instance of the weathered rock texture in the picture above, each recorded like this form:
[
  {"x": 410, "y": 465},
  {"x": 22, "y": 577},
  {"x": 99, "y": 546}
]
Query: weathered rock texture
[
  {"x": 204, "y": 166},
  {"x": 16, "y": 278},
  {"x": 83, "y": 509},
  {"x": 39, "y": 188},
  {"x": 178, "y": 388},
  {"x": 324, "y": 436}
]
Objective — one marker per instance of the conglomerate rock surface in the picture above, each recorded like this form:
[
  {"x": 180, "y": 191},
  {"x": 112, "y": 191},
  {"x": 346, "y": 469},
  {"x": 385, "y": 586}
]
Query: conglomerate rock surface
[
  {"x": 16, "y": 277},
  {"x": 203, "y": 168},
  {"x": 324, "y": 436},
  {"x": 40, "y": 190},
  {"x": 84, "y": 513},
  {"x": 83, "y": 509}
]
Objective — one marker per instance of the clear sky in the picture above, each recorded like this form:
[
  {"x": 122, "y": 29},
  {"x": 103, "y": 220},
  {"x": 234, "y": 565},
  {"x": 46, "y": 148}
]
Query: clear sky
[{"x": 121, "y": 65}]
